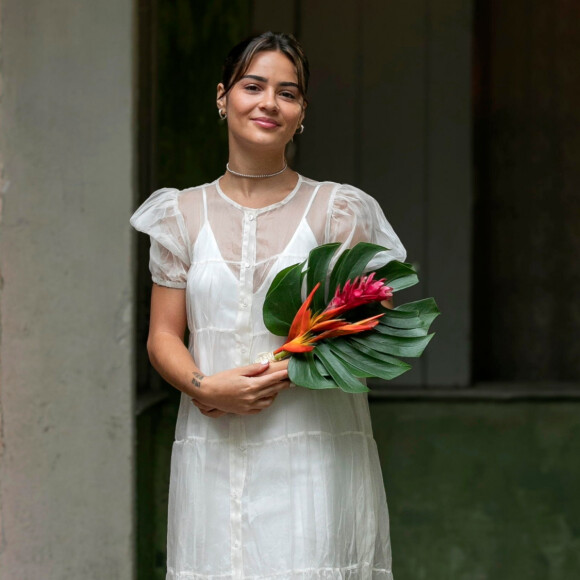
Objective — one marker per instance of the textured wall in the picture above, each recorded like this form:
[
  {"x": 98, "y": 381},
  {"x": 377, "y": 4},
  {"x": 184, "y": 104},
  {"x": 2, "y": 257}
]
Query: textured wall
[
  {"x": 66, "y": 300},
  {"x": 481, "y": 491}
]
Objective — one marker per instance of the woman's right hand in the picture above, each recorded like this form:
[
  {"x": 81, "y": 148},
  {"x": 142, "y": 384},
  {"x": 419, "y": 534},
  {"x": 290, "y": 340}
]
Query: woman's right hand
[{"x": 242, "y": 391}]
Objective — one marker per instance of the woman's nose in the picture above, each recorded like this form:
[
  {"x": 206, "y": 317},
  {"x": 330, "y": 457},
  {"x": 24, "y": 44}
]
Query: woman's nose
[{"x": 269, "y": 100}]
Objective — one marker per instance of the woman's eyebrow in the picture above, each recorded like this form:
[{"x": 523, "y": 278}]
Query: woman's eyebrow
[{"x": 265, "y": 80}]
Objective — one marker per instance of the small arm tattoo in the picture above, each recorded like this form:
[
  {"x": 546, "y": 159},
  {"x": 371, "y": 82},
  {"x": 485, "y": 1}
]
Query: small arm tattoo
[{"x": 197, "y": 378}]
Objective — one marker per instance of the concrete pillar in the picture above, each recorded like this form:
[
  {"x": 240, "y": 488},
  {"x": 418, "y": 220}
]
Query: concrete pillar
[{"x": 66, "y": 422}]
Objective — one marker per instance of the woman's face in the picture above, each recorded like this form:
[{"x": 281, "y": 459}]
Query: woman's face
[{"x": 265, "y": 106}]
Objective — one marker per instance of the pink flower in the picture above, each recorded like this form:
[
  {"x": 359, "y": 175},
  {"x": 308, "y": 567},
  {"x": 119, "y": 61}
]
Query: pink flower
[{"x": 362, "y": 290}]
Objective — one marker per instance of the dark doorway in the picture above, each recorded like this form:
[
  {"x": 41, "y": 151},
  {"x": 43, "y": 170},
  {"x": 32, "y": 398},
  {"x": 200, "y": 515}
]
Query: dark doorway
[{"x": 527, "y": 208}]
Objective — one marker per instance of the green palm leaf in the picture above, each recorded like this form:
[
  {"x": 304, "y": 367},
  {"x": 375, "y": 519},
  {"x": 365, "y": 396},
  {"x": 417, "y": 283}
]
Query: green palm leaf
[
  {"x": 426, "y": 310},
  {"x": 416, "y": 320},
  {"x": 391, "y": 331},
  {"x": 399, "y": 318},
  {"x": 376, "y": 354},
  {"x": 372, "y": 366},
  {"x": 395, "y": 345},
  {"x": 283, "y": 300},
  {"x": 303, "y": 372},
  {"x": 318, "y": 261},
  {"x": 399, "y": 275},
  {"x": 339, "y": 373}
]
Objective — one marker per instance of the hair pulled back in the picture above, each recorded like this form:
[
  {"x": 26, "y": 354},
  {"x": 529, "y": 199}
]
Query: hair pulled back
[{"x": 239, "y": 58}]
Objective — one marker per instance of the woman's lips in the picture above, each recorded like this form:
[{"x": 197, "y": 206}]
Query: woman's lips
[{"x": 266, "y": 123}]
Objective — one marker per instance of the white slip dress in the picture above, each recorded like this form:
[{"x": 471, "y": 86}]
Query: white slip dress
[{"x": 296, "y": 491}]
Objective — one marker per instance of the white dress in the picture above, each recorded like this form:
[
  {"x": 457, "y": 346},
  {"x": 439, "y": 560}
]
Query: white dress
[{"x": 294, "y": 492}]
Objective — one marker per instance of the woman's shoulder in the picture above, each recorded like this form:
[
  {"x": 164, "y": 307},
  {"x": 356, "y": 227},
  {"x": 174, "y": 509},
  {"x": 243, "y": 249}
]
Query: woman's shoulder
[
  {"x": 340, "y": 195},
  {"x": 191, "y": 196},
  {"x": 165, "y": 196},
  {"x": 168, "y": 204},
  {"x": 181, "y": 199},
  {"x": 181, "y": 196},
  {"x": 319, "y": 183}
]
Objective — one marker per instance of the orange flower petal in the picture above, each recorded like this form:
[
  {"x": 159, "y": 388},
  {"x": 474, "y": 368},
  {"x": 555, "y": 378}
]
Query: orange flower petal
[
  {"x": 302, "y": 319},
  {"x": 354, "y": 328},
  {"x": 327, "y": 325},
  {"x": 299, "y": 344}
]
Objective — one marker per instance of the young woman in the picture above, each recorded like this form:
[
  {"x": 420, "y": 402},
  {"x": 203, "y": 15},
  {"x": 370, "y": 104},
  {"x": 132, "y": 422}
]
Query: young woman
[{"x": 266, "y": 481}]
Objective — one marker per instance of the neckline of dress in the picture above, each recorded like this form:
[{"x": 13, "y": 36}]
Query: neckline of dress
[{"x": 280, "y": 203}]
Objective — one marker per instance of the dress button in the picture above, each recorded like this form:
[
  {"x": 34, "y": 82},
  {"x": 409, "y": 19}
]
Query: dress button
[
  {"x": 244, "y": 303},
  {"x": 251, "y": 217},
  {"x": 246, "y": 265}
]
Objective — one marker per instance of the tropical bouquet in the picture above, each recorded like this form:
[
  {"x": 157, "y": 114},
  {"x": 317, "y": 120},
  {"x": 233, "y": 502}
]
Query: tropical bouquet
[{"x": 342, "y": 333}]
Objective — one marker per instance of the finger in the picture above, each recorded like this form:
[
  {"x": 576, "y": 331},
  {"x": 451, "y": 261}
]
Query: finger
[
  {"x": 254, "y": 369},
  {"x": 276, "y": 366},
  {"x": 268, "y": 396},
  {"x": 201, "y": 406},
  {"x": 266, "y": 390},
  {"x": 264, "y": 402},
  {"x": 279, "y": 365},
  {"x": 262, "y": 392},
  {"x": 272, "y": 390},
  {"x": 270, "y": 379},
  {"x": 214, "y": 413}
]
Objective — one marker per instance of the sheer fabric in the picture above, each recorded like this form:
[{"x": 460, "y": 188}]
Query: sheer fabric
[{"x": 296, "y": 491}]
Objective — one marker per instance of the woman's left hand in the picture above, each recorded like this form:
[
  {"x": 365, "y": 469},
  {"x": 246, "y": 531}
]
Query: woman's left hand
[
  {"x": 208, "y": 411},
  {"x": 215, "y": 413}
]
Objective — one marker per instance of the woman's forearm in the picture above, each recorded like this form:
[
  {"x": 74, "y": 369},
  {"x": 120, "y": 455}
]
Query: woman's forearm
[
  {"x": 243, "y": 390},
  {"x": 171, "y": 359}
]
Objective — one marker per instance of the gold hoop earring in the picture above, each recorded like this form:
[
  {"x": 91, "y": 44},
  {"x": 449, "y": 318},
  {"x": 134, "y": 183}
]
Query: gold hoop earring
[
  {"x": 300, "y": 131},
  {"x": 223, "y": 115}
]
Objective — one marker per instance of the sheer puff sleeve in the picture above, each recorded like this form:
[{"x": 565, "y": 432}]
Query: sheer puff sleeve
[
  {"x": 354, "y": 217},
  {"x": 159, "y": 217}
]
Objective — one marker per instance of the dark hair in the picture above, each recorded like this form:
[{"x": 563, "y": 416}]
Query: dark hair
[{"x": 239, "y": 58}]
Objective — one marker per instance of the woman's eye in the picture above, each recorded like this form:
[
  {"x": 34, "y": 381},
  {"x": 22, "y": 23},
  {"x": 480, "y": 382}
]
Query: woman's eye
[
  {"x": 288, "y": 95},
  {"x": 252, "y": 88}
]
